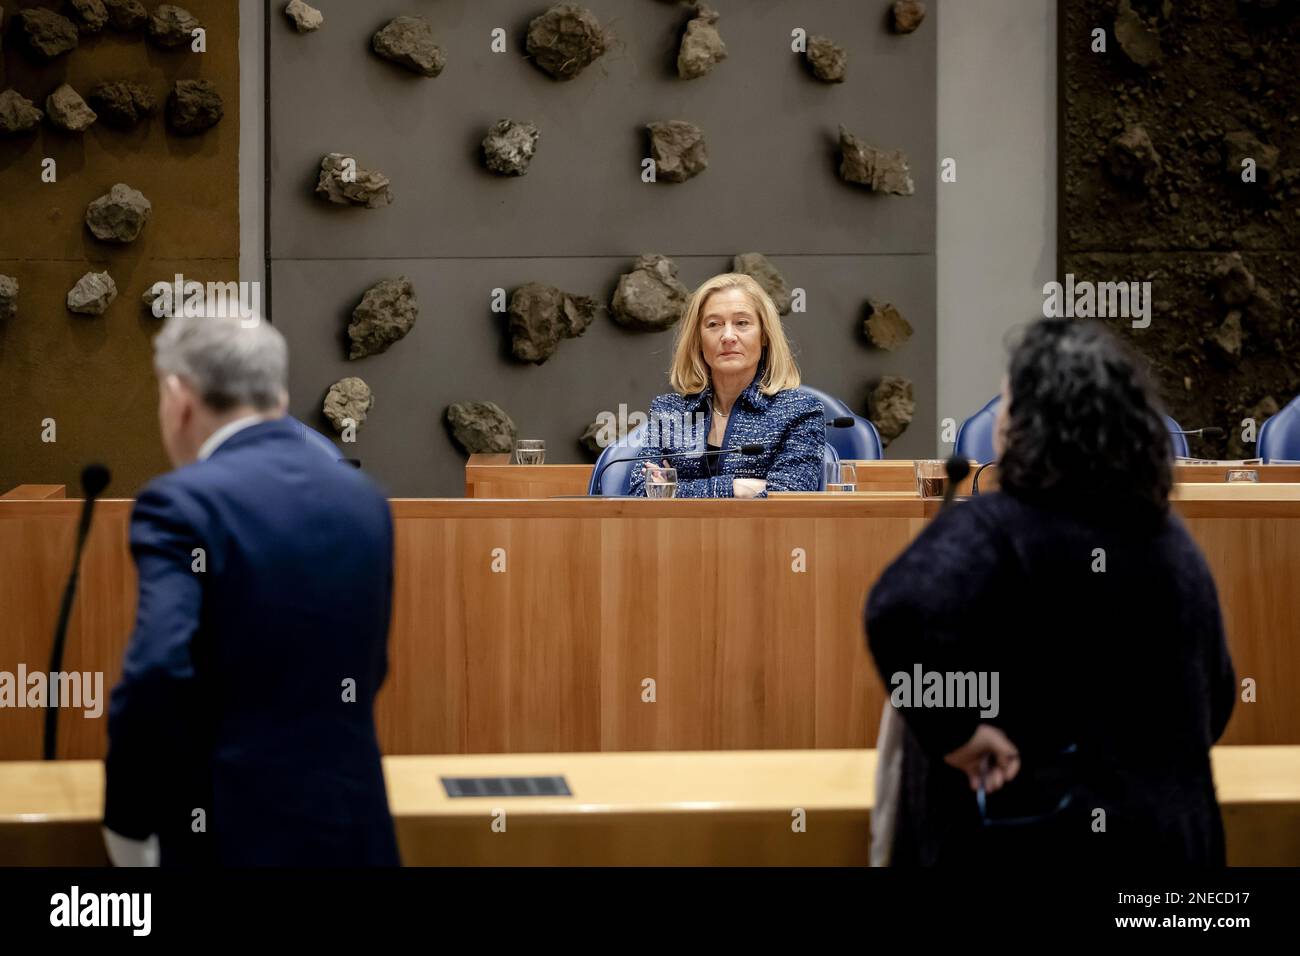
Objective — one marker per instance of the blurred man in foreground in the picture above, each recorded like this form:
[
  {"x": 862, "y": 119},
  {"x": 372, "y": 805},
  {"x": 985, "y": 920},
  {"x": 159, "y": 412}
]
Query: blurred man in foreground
[{"x": 242, "y": 731}]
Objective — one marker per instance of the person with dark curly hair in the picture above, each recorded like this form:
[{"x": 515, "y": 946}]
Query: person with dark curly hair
[{"x": 1082, "y": 602}]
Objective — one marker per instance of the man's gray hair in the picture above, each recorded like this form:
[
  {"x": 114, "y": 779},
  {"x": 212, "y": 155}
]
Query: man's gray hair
[{"x": 229, "y": 362}]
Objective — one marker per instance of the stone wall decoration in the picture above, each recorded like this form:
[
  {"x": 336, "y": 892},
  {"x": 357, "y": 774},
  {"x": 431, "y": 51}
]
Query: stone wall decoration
[
  {"x": 119, "y": 215},
  {"x": 409, "y": 42},
  {"x": 908, "y": 14},
  {"x": 890, "y": 407},
  {"x": 1132, "y": 159},
  {"x": 194, "y": 107},
  {"x": 879, "y": 170},
  {"x": 757, "y": 267},
  {"x": 126, "y": 16},
  {"x": 702, "y": 48},
  {"x": 482, "y": 428},
  {"x": 122, "y": 104},
  {"x": 565, "y": 40},
  {"x": 172, "y": 27},
  {"x": 45, "y": 33},
  {"x": 590, "y": 438},
  {"x": 68, "y": 111},
  {"x": 348, "y": 398},
  {"x": 388, "y": 311},
  {"x": 826, "y": 60},
  {"x": 509, "y": 147},
  {"x": 1139, "y": 39},
  {"x": 90, "y": 16},
  {"x": 8, "y": 297},
  {"x": 650, "y": 298},
  {"x": 542, "y": 315},
  {"x": 885, "y": 326},
  {"x": 306, "y": 18},
  {"x": 367, "y": 187},
  {"x": 678, "y": 149},
  {"x": 18, "y": 114},
  {"x": 93, "y": 294}
]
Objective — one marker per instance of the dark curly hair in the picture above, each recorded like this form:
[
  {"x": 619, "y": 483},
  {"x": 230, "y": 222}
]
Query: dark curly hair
[{"x": 1084, "y": 428}]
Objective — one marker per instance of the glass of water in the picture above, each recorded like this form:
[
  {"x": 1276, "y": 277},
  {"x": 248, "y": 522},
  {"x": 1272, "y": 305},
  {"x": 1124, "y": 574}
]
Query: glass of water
[
  {"x": 530, "y": 451},
  {"x": 841, "y": 476},
  {"x": 661, "y": 483}
]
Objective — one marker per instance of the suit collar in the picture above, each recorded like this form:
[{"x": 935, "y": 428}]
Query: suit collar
[
  {"x": 752, "y": 397},
  {"x": 255, "y": 430}
]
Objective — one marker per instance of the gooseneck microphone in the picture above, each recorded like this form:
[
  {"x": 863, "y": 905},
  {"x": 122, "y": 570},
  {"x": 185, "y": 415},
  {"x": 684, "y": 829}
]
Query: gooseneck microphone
[
  {"x": 94, "y": 479},
  {"x": 844, "y": 421},
  {"x": 753, "y": 448},
  {"x": 957, "y": 469},
  {"x": 1209, "y": 431}
]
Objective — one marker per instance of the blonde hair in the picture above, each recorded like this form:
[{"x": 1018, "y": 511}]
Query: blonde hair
[{"x": 689, "y": 374}]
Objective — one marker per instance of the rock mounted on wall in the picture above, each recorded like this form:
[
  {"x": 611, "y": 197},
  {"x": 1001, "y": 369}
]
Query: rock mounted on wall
[
  {"x": 93, "y": 294},
  {"x": 1132, "y": 159},
  {"x": 907, "y": 15},
  {"x": 306, "y": 18},
  {"x": 409, "y": 42},
  {"x": 565, "y": 40},
  {"x": 877, "y": 169},
  {"x": 90, "y": 16},
  {"x": 482, "y": 428},
  {"x": 702, "y": 48},
  {"x": 1234, "y": 284},
  {"x": 387, "y": 312},
  {"x": 650, "y": 298},
  {"x": 760, "y": 269},
  {"x": 126, "y": 16},
  {"x": 348, "y": 398},
  {"x": 541, "y": 315},
  {"x": 826, "y": 60},
  {"x": 360, "y": 187},
  {"x": 194, "y": 107},
  {"x": 122, "y": 104},
  {"x": 1239, "y": 146},
  {"x": 590, "y": 437},
  {"x": 18, "y": 114},
  {"x": 171, "y": 26},
  {"x": 1139, "y": 40},
  {"x": 45, "y": 33},
  {"x": 119, "y": 215},
  {"x": 68, "y": 111},
  {"x": 885, "y": 326},
  {"x": 890, "y": 407},
  {"x": 8, "y": 297},
  {"x": 678, "y": 149},
  {"x": 508, "y": 147}
]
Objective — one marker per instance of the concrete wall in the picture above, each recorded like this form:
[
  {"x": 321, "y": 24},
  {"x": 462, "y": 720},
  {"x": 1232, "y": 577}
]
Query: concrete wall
[
  {"x": 996, "y": 243},
  {"x": 581, "y": 215}
]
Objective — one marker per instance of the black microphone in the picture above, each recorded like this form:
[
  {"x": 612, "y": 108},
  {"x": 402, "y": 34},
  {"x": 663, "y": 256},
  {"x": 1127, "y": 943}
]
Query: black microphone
[
  {"x": 752, "y": 448},
  {"x": 957, "y": 469},
  {"x": 1209, "y": 431},
  {"x": 844, "y": 421},
  {"x": 94, "y": 479}
]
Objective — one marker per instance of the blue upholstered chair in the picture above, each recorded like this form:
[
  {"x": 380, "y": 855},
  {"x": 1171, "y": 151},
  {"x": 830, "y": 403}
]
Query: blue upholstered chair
[
  {"x": 618, "y": 476},
  {"x": 975, "y": 436},
  {"x": 1279, "y": 436},
  {"x": 861, "y": 442}
]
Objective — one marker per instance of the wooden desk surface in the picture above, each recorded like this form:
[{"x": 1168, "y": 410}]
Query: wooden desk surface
[
  {"x": 635, "y": 808},
  {"x": 535, "y": 625}
]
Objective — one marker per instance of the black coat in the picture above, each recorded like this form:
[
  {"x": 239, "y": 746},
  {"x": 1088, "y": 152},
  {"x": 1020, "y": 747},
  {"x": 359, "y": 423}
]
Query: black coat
[{"x": 1112, "y": 683}]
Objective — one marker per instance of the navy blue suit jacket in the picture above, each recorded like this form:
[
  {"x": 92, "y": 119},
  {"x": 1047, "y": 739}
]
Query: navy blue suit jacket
[{"x": 242, "y": 731}]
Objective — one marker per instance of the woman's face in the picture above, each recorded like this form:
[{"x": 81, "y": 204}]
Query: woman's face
[
  {"x": 731, "y": 336},
  {"x": 1000, "y": 424}
]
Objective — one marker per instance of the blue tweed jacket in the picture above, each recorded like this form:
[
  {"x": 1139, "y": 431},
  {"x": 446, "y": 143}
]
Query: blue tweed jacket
[{"x": 791, "y": 426}]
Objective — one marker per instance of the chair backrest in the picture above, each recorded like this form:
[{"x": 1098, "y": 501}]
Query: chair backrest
[
  {"x": 860, "y": 442},
  {"x": 975, "y": 436},
  {"x": 1279, "y": 436}
]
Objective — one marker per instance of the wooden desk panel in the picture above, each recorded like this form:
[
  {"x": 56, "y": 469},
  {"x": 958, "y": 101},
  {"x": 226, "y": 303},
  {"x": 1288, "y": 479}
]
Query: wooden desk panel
[
  {"x": 599, "y": 595},
  {"x": 494, "y": 476}
]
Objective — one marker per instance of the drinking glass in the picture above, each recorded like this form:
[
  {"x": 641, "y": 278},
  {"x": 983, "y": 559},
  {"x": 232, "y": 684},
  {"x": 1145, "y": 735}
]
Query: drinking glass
[
  {"x": 841, "y": 476},
  {"x": 662, "y": 484},
  {"x": 931, "y": 477},
  {"x": 530, "y": 451}
]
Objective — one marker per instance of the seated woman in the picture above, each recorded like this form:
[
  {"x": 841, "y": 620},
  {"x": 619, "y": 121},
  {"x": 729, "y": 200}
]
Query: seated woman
[
  {"x": 1091, "y": 612},
  {"x": 735, "y": 383}
]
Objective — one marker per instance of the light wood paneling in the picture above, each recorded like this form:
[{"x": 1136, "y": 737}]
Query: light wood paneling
[{"x": 493, "y": 476}]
